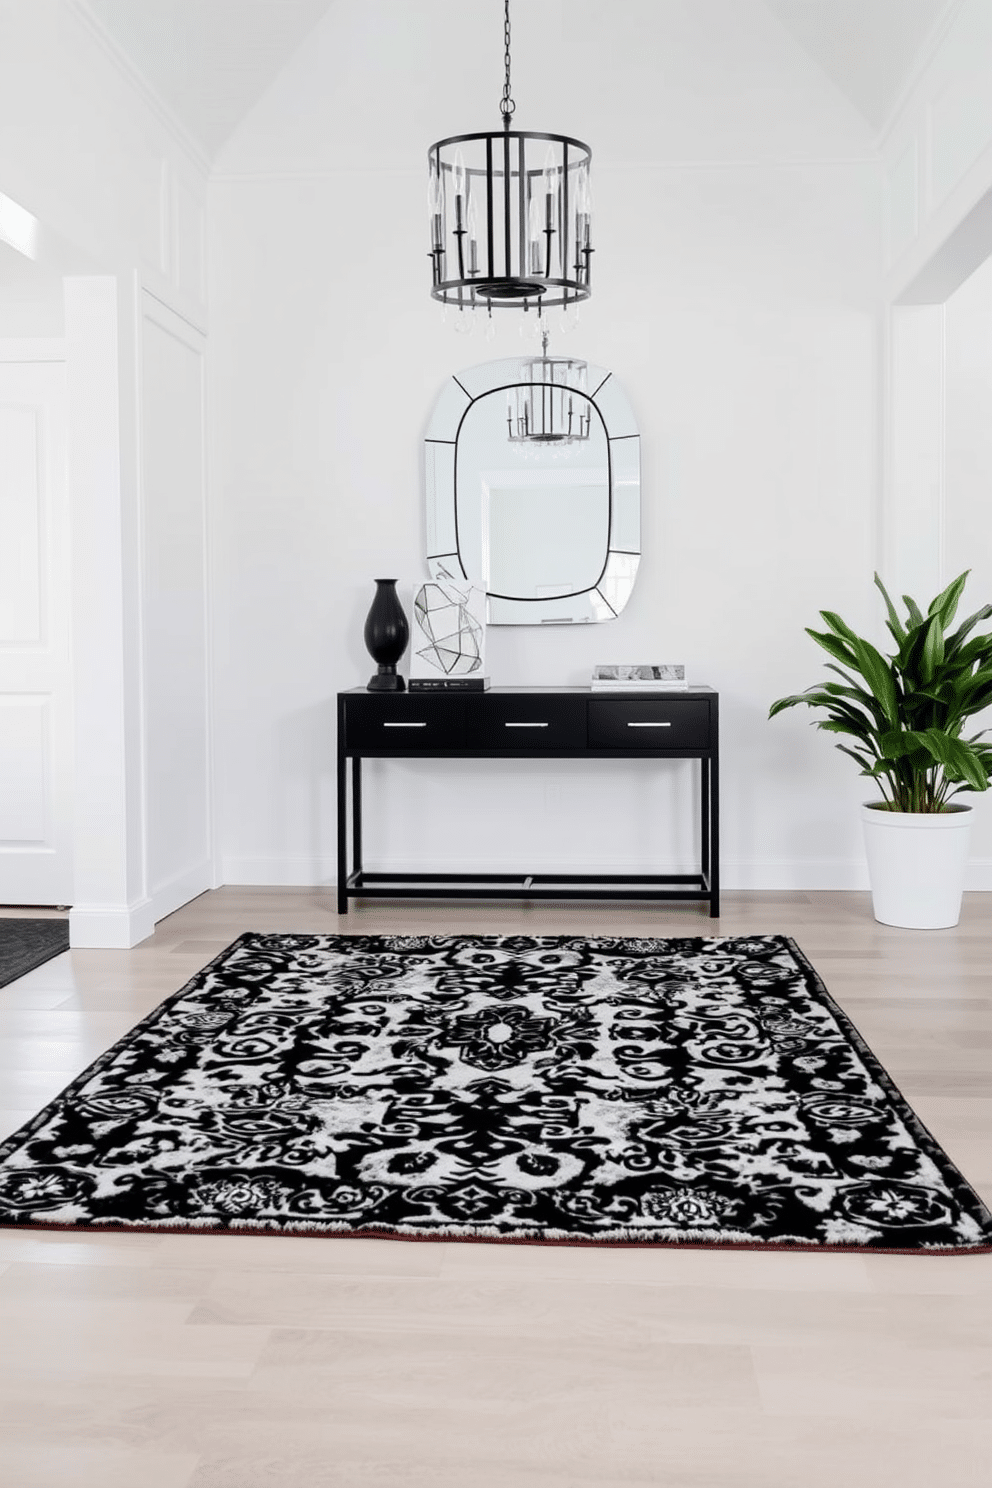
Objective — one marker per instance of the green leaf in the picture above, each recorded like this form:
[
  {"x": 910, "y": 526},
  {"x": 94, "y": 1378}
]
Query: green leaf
[
  {"x": 899, "y": 742},
  {"x": 786, "y": 702},
  {"x": 916, "y": 615},
  {"x": 945, "y": 605},
  {"x": 864, "y": 697},
  {"x": 933, "y": 648},
  {"x": 976, "y": 701},
  {"x": 959, "y": 760},
  {"x": 979, "y": 649},
  {"x": 967, "y": 626},
  {"x": 877, "y": 672},
  {"x": 838, "y": 626},
  {"x": 841, "y": 726},
  {"x": 867, "y": 767},
  {"x": 895, "y": 624},
  {"x": 976, "y": 681},
  {"x": 836, "y": 647},
  {"x": 921, "y": 698}
]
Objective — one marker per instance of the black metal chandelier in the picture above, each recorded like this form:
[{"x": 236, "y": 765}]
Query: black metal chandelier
[
  {"x": 509, "y": 215},
  {"x": 550, "y": 404}
]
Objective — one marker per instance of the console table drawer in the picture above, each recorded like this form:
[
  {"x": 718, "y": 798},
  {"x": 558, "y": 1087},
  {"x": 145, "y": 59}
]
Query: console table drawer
[
  {"x": 404, "y": 724},
  {"x": 651, "y": 724},
  {"x": 523, "y": 723}
]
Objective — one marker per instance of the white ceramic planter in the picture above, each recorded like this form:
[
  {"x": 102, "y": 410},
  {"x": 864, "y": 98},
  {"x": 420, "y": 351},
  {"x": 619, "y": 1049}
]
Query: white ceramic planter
[{"x": 916, "y": 864}]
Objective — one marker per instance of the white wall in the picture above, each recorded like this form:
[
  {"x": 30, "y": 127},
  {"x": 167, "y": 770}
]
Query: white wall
[
  {"x": 737, "y": 200},
  {"x": 119, "y": 195},
  {"x": 30, "y": 298}
]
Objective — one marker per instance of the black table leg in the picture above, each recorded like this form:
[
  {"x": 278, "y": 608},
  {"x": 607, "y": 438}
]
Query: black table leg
[
  {"x": 356, "y": 814},
  {"x": 704, "y": 815},
  {"x": 714, "y": 766},
  {"x": 342, "y": 834}
]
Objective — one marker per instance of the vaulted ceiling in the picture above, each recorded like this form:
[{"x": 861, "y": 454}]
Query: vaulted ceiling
[
  {"x": 211, "y": 60},
  {"x": 868, "y": 48}
]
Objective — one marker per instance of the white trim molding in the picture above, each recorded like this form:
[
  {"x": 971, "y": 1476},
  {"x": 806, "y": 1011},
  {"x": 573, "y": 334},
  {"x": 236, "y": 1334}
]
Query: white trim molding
[
  {"x": 110, "y": 926},
  {"x": 283, "y": 873}
]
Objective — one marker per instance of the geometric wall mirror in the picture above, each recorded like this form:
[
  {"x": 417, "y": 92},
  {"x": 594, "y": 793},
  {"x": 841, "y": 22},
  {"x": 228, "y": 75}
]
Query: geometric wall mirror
[{"x": 533, "y": 489}]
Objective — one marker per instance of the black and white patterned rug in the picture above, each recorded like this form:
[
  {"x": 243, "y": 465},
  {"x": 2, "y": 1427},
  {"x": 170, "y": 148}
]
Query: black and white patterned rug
[{"x": 689, "y": 1091}]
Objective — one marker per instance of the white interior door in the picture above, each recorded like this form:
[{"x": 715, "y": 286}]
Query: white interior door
[{"x": 35, "y": 695}]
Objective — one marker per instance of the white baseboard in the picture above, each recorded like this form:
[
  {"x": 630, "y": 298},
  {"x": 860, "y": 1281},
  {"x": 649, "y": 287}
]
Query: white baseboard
[
  {"x": 783, "y": 874},
  {"x": 979, "y": 875},
  {"x": 289, "y": 872},
  {"x": 179, "y": 890},
  {"x": 118, "y": 927},
  {"x": 112, "y": 927}
]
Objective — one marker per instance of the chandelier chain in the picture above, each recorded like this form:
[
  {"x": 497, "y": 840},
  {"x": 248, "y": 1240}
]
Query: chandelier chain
[{"x": 507, "y": 105}]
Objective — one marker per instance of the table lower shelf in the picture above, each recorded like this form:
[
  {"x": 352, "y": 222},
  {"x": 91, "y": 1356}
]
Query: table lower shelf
[{"x": 652, "y": 886}]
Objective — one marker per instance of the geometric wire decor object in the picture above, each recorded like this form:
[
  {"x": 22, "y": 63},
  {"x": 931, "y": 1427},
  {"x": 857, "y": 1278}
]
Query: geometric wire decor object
[
  {"x": 640, "y": 1091},
  {"x": 449, "y": 639},
  {"x": 510, "y": 215}
]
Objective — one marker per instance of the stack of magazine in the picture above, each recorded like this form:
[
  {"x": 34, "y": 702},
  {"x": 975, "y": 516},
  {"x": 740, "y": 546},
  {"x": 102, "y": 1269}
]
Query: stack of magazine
[{"x": 662, "y": 678}]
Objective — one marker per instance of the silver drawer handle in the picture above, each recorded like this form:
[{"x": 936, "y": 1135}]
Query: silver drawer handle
[
  {"x": 525, "y": 725},
  {"x": 404, "y": 725},
  {"x": 649, "y": 725}
]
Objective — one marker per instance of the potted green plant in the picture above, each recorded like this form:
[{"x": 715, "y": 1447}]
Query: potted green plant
[{"x": 905, "y": 715}]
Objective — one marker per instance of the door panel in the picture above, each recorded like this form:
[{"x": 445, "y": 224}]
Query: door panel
[{"x": 35, "y": 728}]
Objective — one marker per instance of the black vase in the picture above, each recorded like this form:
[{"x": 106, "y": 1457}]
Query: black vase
[{"x": 386, "y": 636}]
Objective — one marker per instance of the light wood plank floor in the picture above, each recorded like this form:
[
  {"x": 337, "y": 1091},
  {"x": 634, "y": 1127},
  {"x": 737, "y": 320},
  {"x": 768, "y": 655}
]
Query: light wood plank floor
[{"x": 133, "y": 1361}]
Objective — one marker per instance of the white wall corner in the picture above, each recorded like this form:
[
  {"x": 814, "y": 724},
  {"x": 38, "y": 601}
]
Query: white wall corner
[
  {"x": 170, "y": 896},
  {"x": 110, "y": 926}
]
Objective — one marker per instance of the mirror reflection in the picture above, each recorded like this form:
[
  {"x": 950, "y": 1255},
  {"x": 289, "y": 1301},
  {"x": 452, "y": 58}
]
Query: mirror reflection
[{"x": 533, "y": 489}]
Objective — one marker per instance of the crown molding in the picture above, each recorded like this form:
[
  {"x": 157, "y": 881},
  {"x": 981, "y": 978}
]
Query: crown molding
[{"x": 136, "y": 79}]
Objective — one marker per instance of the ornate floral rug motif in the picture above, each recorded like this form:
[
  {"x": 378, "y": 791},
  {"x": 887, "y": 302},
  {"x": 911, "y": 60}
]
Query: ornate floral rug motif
[{"x": 700, "y": 1091}]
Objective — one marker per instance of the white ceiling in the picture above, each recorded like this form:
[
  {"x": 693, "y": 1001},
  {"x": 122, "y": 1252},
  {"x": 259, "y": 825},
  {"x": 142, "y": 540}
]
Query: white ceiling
[
  {"x": 868, "y": 48},
  {"x": 211, "y": 60}
]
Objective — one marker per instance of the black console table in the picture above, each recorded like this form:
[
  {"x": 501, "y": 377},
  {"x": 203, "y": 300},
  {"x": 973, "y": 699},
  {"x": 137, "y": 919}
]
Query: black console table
[{"x": 528, "y": 723}]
